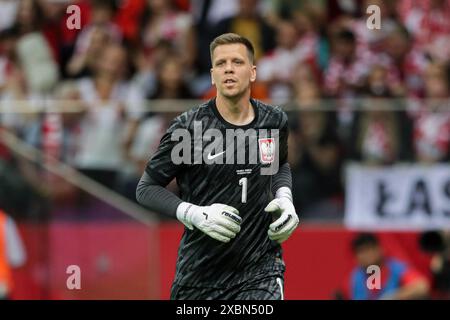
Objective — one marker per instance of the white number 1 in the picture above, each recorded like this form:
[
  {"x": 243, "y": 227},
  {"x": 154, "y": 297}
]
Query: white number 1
[{"x": 243, "y": 183}]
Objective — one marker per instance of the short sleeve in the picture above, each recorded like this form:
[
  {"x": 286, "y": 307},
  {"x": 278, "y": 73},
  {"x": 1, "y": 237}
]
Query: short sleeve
[{"x": 410, "y": 275}]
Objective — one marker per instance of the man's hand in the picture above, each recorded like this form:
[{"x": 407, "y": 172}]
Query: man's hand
[
  {"x": 218, "y": 221},
  {"x": 281, "y": 229}
]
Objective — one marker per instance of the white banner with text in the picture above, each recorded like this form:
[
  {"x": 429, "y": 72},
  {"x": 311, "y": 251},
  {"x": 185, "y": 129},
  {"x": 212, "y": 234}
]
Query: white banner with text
[{"x": 397, "y": 197}]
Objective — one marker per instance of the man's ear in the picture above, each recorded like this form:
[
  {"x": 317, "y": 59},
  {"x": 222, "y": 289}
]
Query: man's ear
[
  {"x": 253, "y": 75},
  {"x": 212, "y": 78}
]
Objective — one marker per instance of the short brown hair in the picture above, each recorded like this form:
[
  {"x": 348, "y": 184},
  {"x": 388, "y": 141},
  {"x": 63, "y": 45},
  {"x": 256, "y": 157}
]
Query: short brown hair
[{"x": 231, "y": 38}]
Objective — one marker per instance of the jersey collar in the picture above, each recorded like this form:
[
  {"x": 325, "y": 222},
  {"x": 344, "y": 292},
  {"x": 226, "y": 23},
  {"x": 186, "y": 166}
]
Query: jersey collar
[{"x": 213, "y": 107}]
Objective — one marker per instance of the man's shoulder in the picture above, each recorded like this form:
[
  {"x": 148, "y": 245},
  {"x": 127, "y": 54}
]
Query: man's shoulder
[
  {"x": 196, "y": 112},
  {"x": 272, "y": 112},
  {"x": 396, "y": 264}
]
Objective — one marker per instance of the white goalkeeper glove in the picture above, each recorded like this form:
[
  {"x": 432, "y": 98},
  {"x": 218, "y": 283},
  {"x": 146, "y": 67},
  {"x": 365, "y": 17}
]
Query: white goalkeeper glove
[
  {"x": 286, "y": 219},
  {"x": 218, "y": 221}
]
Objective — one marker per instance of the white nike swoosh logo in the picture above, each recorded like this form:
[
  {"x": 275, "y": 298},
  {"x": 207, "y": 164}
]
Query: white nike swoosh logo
[{"x": 211, "y": 157}]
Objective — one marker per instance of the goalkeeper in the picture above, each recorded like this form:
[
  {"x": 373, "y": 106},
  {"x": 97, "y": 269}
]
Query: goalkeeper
[{"x": 235, "y": 215}]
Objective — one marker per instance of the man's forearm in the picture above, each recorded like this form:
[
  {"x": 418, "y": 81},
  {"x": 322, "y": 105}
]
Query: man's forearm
[
  {"x": 156, "y": 197},
  {"x": 283, "y": 178},
  {"x": 417, "y": 290}
]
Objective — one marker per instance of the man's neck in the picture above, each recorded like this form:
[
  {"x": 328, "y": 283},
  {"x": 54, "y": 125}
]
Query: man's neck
[{"x": 238, "y": 112}]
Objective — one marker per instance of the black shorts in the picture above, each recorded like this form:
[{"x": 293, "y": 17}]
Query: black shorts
[{"x": 266, "y": 288}]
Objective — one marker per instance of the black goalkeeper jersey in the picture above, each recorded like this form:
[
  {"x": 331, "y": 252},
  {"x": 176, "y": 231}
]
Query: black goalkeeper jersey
[{"x": 241, "y": 182}]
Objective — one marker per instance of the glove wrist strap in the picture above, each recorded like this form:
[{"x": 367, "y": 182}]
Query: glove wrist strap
[
  {"x": 184, "y": 214},
  {"x": 284, "y": 192}
]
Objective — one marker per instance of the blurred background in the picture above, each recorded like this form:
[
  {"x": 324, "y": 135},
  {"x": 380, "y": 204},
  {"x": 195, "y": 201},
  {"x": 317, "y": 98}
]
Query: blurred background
[{"x": 82, "y": 111}]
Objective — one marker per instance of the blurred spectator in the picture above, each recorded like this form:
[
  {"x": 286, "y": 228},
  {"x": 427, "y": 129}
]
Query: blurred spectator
[
  {"x": 162, "y": 22},
  {"x": 315, "y": 10},
  {"x": 437, "y": 244},
  {"x": 380, "y": 139},
  {"x": 249, "y": 22},
  {"x": 206, "y": 14},
  {"x": 372, "y": 39},
  {"x": 429, "y": 22},
  {"x": 347, "y": 67},
  {"x": 431, "y": 118},
  {"x": 170, "y": 82},
  {"x": 338, "y": 9},
  {"x": 314, "y": 156},
  {"x": 345, "y": 75},
  {"x": 14, "y": 86},
  {"x": 61, "y": 38},
  {"x": 30, "y": 17},
  {"x": 276, "y": 69},
  {"x": 83, "y": 61},
  {"x": 405, "y": 64},
  {"x": 399, "y": 281},
  {"x": 8, "y": 39},
  {"x": 55, "y": 135},
  {"x": 379, "y": 136},
  {"x": 380, "y": 132},
  {"x": 96, "y": 34},
  {"x": 210, "y": 12},
  {"x": 8, "y": 12},
  {"x": 127, "y": 18},
  {"x": 12, "y": 254},
  {"x": 40, "y": 68},
  {"x": 379, "y": 83},
  {"x": 111, "y": 117}
]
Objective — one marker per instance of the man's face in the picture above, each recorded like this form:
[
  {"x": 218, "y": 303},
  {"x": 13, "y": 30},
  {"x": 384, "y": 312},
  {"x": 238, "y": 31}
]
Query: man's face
[
  {"x": 368, "y": 255},
  {"x": 232, "y": 71},
  {"x": 113, "y": 61},
  {"x": 344, "y": 48}
]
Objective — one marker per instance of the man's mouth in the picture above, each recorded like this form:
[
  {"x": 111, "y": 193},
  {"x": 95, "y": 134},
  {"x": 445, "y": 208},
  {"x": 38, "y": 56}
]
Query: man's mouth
[{"x": 229, "y": 81}]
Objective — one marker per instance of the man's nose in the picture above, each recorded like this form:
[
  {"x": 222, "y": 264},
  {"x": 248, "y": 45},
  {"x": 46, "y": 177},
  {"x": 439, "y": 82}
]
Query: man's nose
[{"x": 229, "y": 67}]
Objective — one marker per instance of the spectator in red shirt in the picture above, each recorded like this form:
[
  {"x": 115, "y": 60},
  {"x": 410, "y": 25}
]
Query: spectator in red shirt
[
  {"x": 94, "y": 36},
  {"x": 380, "y": 131},
  {"x": 429, "y": 23},
  {"x": 347, "y": 67},
  {"x": 431, "y": 118},
  {"x": 404, "y": 63},
  {"x": 277, "y": 68}
]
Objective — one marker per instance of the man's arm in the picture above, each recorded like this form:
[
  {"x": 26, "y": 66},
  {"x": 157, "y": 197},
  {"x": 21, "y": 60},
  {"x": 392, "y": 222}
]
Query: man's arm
[
  {"x": 282, "y": 207},
  {"x": 418, "y": 289},
  {"x": 156, "y": 197},
  {"x": 218, "y": 221},
  {"x": 282, "y": 228},
  {"x": 413, "y": 286},
  {"x": 283, "y": 178}
]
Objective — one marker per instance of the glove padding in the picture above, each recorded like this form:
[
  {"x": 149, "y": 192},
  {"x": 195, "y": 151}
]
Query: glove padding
[
  {"x": 219, "y": 221},
  {"x": 281, "y": 229}
]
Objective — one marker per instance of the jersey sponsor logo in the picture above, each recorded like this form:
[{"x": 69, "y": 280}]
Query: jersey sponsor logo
[{"x": 266, "y": 150}]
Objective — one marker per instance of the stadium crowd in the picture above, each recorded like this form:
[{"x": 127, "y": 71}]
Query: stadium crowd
[{"x": 352, "y": 93}]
